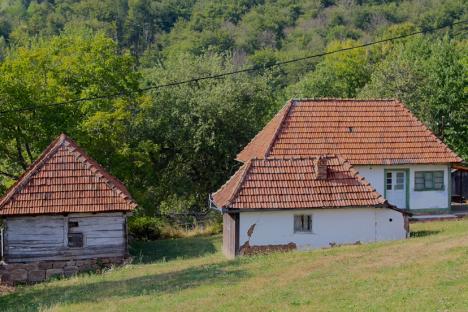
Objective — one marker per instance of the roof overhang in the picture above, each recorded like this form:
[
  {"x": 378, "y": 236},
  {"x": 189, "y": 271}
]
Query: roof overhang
[{"x": 236, "y": 210}]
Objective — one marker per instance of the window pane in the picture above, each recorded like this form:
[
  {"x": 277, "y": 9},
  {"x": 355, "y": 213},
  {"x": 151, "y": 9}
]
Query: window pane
[
  {"x": 75, "y": 239},
  {"x": 297, "y": 223},
  {"x": 419, "y": 180},
  {"x": 400, "y": 177},
  {"x": 428, "y": 180},
  {"x": 389, "y": 181},
  {"x": 439, "y": 180},
  {"x": 303, "y": 223}
]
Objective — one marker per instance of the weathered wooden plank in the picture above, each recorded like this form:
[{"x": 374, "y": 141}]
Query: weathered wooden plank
[
  {"x": 104, "y": 241},
  {"x": 97, "y": 227},
  {"x": 37, "y": 237},
  {"x": 45, "y": 238}
]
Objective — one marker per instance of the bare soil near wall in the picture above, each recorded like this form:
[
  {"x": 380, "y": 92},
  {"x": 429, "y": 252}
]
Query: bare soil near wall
[{"x": 4, "y": 289}]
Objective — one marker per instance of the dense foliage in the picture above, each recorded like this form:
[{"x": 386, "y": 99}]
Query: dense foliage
[{"x": 174, "y": 145}]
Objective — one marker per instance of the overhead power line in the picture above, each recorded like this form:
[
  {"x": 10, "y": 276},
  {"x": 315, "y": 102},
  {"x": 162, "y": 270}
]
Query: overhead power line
[{"x": 245, "y": 70}]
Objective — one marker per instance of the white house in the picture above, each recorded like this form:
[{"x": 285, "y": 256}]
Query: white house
[
  {"x": 385, "y": 143},
  {"x": 397, "y": 154},
  {"x": 311, "y": 202}
]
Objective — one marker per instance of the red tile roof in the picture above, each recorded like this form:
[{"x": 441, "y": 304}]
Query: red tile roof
[
  {"x": 63, "y": 180},
  {"x": 292, "y": 184},
  {"x": 362, "y": 131}
]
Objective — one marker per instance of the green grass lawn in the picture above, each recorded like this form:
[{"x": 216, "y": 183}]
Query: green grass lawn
[{"x": 428, "y": 272}]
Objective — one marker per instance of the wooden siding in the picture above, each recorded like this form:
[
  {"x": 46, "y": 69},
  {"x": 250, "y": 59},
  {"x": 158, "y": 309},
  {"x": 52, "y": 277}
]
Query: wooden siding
[
  {"x": 46, "y": 237},
  {"x": 230, "y": 235}
]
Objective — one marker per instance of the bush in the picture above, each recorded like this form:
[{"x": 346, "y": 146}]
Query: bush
[
  {"x": 210, "y": 228},
  {"x": 144, "y": 228}
]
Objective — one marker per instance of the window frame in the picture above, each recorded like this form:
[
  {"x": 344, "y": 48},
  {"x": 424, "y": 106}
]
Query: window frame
[
  {"x": 310, "y": 224},
  {"x": 82, "y": 240},
  {"x": 72, "y": 227},
  {"x": 422, "y": 174},
  {"x": 388, "y": 181}
]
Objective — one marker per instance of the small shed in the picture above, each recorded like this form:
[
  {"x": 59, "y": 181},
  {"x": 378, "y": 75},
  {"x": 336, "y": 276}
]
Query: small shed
[{"x": 65, "y": 214}]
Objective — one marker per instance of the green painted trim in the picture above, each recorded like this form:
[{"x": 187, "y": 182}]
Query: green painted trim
[
  {"x": 430, "y": 211},
  {"x": 407, "y": 195},
  {"x": 385, "y": 183},
  {"x": 408, "y": 187},
  {"x": 432, "y": 188}
]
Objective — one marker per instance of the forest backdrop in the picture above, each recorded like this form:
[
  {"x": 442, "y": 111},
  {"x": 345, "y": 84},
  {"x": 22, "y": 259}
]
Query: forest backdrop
[{"x": 173, "y": 146}]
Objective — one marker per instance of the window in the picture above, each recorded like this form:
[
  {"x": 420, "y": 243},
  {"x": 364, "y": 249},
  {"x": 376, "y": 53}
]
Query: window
[
  {"x": 303, "y": 223},
  {"x": 75, "y": 240},
  {"x": 400, "y": 180},
  {"x": 389, "y": 181},
  {"x": 428, "y": 180}
]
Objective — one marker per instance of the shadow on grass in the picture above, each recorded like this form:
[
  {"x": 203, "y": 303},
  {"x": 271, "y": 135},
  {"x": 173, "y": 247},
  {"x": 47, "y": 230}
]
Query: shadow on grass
[
  {"x": 40, "y": 298},
  {"x": 169, "y": 249},
  {"x": 423, "y": 233}
]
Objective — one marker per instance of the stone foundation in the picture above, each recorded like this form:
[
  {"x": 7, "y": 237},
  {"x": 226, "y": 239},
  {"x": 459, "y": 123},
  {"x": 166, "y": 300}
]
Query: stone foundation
[
  {"x": 246, "y": 249},
  {"x": 33, "y": 272}
]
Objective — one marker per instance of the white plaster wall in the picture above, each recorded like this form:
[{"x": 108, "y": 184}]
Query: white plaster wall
[
  {"x": 340, "y": 226},
  {"x": 417, "y": 199}
]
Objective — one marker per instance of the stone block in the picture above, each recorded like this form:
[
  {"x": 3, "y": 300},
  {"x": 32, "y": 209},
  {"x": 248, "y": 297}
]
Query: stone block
[
  {"x": 5, "y": 277},
  {"x": 18, "y": 275},
  {"x": 36, "y": 276},
  {"x": 70, "y": 271},
  {"x": 53, "y": 273},
  {"x": 59, "y": 264},
  {"x": 44, "y": 265}
]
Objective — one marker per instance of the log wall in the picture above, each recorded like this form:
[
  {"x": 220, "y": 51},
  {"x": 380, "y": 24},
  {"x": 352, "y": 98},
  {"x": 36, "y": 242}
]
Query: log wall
[{"x": 37, "y": 238}]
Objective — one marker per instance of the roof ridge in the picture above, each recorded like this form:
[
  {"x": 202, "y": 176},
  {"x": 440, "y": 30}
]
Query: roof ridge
[
  {"x": 362, "y": 180},
  {"x": 64, "y": 141},
  {"x": 114, "y": 183},
  {"x": 23, "y": 179},
  {"x": 428, "y": 131},
  {"x": 289, "y": 104},
  {"x": 280, "y": 114},
  {"x": 235, "y": 191}
]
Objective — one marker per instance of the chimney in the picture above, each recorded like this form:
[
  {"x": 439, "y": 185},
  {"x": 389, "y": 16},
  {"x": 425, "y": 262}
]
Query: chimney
[{"x": 321, "y": 168}]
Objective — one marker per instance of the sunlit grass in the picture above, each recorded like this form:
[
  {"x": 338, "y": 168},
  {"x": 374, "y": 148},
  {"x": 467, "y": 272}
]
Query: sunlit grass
[{"x": 428, "y": 272}]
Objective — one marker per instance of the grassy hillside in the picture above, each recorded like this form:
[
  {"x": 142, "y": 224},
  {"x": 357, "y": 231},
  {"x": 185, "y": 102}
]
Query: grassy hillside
[{"x": 428, "y": 272}]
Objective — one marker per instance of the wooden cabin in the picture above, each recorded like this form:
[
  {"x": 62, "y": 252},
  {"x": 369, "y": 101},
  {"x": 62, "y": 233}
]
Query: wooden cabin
[{"x": 65, "y": 214}]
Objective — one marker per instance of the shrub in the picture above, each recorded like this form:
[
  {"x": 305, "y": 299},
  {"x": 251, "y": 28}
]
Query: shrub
[{"x": 144, "y": 228}]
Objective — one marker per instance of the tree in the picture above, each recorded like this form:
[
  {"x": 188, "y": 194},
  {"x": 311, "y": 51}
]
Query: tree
[
  {"x": 181, "y": 142},
  {"x": 66, "y": 67},
  {"x": 429, "y": 76},
  {"x": 337, "y": 75}
]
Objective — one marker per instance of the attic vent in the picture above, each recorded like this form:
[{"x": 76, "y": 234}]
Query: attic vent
[{"x": 321, "y": 168}]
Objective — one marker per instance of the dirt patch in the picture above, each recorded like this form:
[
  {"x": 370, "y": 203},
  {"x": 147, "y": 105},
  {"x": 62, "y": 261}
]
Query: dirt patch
[
  {"x": 4, "y": 290},
  {"x": 246, "y": 249}
]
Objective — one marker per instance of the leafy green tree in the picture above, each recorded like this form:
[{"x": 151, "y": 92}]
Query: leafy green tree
[
  {"x": 67, "y": 67},
  {"x": 179, "y": 144},
  {"x": 430, "y": 77},
  {"x": 337, "y": 75}
]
